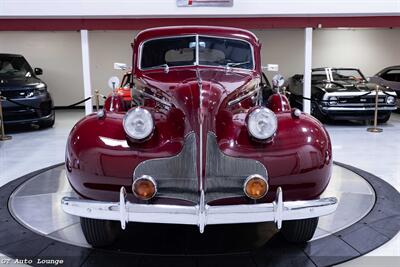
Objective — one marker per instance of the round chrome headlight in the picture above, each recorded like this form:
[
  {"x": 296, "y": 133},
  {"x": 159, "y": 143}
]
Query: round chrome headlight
[
  {"x": 262, "y": 123},
  {"x": 138, "y": 123},
  {"x": 333, "y": 100},
  {"x": 391, "y": 100}
]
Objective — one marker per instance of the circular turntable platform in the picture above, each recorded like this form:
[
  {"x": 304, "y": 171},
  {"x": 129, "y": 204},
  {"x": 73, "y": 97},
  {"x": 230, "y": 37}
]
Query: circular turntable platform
[{"x": 34, "y": 226}]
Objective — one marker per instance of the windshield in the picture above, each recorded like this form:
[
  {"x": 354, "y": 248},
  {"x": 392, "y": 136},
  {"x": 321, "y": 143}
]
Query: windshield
[
  {"x": 183, "y": 51},
  {"x": 14, "y": 66},
  {"x": 337, "y": 75}
]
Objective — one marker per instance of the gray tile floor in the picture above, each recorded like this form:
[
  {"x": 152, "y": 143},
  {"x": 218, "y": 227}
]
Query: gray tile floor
[{"x": 352, "y": 144}]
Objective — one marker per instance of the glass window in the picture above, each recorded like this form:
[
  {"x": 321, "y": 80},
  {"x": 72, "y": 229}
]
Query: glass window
[
  {"x": 215, "y": 51},
  {"x": 347, "y": 74},
  {"x": 179, "y": 51},
  {"x": 392, "y": 75},
  {"x": 319, "y": 75},
  {"x": 337, "y": 75},
  {"x": 14, "y": 66},
  {"x": 126, "y": 80}
]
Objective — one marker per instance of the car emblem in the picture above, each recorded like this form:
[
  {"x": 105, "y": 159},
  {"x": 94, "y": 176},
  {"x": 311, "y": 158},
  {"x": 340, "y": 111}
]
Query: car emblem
[{"x": 22, "y": 93}]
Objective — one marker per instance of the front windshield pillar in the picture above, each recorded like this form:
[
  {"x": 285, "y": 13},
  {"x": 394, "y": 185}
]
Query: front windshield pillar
[{"x": 196, "y": 62}]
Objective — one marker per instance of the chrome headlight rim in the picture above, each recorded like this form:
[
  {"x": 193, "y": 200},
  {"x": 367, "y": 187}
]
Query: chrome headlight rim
[
  {"x": 333, "y": 100},
  {"x": 253, "y": 177},
  {"x": 149, "y": 132},
  {"x": 144, "y": 178},
  {"x": 250, "y": 117},
  {"x": 393, "y": 100}
]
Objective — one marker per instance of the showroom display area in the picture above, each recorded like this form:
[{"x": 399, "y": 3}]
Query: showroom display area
[{"x": 211, "y": 150}]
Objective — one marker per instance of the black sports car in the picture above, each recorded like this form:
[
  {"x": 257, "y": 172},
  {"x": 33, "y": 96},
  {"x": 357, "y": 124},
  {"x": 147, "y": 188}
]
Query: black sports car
[
  {"x": 389, "y": 77},
  {"x": 342, "y": 94},
  {"x": 20, "y": 84}
]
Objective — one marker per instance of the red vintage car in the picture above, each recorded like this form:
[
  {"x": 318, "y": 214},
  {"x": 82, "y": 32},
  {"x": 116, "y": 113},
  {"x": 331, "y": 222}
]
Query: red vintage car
[{"x": 200, "y": 146}]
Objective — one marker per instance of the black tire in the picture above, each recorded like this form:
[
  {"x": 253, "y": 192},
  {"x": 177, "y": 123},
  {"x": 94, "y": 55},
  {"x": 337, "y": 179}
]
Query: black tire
[
  {"x": 318, "y": 114},
  {"x": 299, "y": 231},
  {"x": 48, "y": 123},
  {"x": 384, "y": 119},
  {"x": 100, "y": 233}
]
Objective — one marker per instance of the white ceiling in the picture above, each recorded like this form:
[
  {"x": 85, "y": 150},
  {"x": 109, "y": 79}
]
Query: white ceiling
[{"x": 168, "y": 8}]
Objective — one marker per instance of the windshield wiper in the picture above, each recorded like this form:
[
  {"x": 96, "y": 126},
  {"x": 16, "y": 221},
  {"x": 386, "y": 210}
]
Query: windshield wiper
[{"x": 235, "y": 64}]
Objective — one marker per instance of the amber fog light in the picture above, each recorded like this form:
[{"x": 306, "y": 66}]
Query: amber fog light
[
  {"x": 144, "y": 187},
  {"x": 255, "y": 186}
]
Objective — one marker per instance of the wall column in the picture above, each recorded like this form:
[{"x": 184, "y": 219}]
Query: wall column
[
  {"x": 87, "y": 86},
  {"x": 308, "y": 32}
]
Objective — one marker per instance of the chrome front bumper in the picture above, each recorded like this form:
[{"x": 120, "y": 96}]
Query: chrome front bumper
[
  {"x": 201, "y": 214},
  {"x": 343, "y": 108}
]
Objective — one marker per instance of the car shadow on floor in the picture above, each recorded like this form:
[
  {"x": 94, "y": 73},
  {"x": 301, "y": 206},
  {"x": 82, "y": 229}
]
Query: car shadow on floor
[
  {"x": 22, "y": 128},
  {"x": 144, "y": 238}
]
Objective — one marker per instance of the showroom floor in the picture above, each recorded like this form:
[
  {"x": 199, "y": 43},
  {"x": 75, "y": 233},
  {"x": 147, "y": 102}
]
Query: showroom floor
[{"x": 352, "y": 144}]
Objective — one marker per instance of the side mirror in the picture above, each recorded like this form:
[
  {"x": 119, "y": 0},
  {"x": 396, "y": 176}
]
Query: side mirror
[
  {"x": 113, "y": 83},
  {"x": 38, "y": 71},
  {"x": 120, "y": 66}
]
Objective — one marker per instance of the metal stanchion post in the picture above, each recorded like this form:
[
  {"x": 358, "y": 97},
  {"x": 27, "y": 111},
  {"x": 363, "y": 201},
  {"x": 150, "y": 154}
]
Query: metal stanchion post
[
  {"x": 3, "y": 136},
  {"x": 96, "y": 92},
  {"x": 375, "y": 129}
]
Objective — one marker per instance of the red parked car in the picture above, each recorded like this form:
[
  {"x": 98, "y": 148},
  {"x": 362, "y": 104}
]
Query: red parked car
[
  {"x": 124, "y": 90},
  {"x": 200, "y": 146}
]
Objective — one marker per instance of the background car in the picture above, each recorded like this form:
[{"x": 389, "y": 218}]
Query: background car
[
  {"x": 19, "y": 83},
  {"x": 342, "y": 94},
  {"x": 125, "y": 90},
  {"x": 389, "y": 77}
]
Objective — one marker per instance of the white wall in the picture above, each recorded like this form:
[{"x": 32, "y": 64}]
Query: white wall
[
  {"x": 368, "y": 49},
  {"x": 168, "y": 8},
  {"x": 59, "y": 54},
  {"x": 283, "y": 47},
  {"x": 107, "y": 47}
]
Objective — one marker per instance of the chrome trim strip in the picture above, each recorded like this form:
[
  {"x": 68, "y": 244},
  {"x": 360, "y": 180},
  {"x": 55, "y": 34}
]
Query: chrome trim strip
[
  {"x": 358, "y": 108},
  {"x": 201, "y": 214},
  {"x": 253, "y": 176},
  {"x": 240, "y": 98},
  {"x": 148, "y": 178},
  {"x": 122, "y": 211},
  {"x": 349, "y": 94},
  {"x": 152, "y": 97},
  {"x": 200, "y": 84}
]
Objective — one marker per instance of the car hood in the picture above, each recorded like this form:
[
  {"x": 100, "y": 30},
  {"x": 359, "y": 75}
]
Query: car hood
[
  {"x": 7, "y": 83},
  {"x": 348, "y": 86}
]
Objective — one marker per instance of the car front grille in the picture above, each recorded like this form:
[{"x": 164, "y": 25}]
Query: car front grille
[
  {"x": 15, "y": 94},
  {"x": 18, "y": 113},
  {"x": 177, "y": 176},
  {"x": 364, "y": 100}
]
